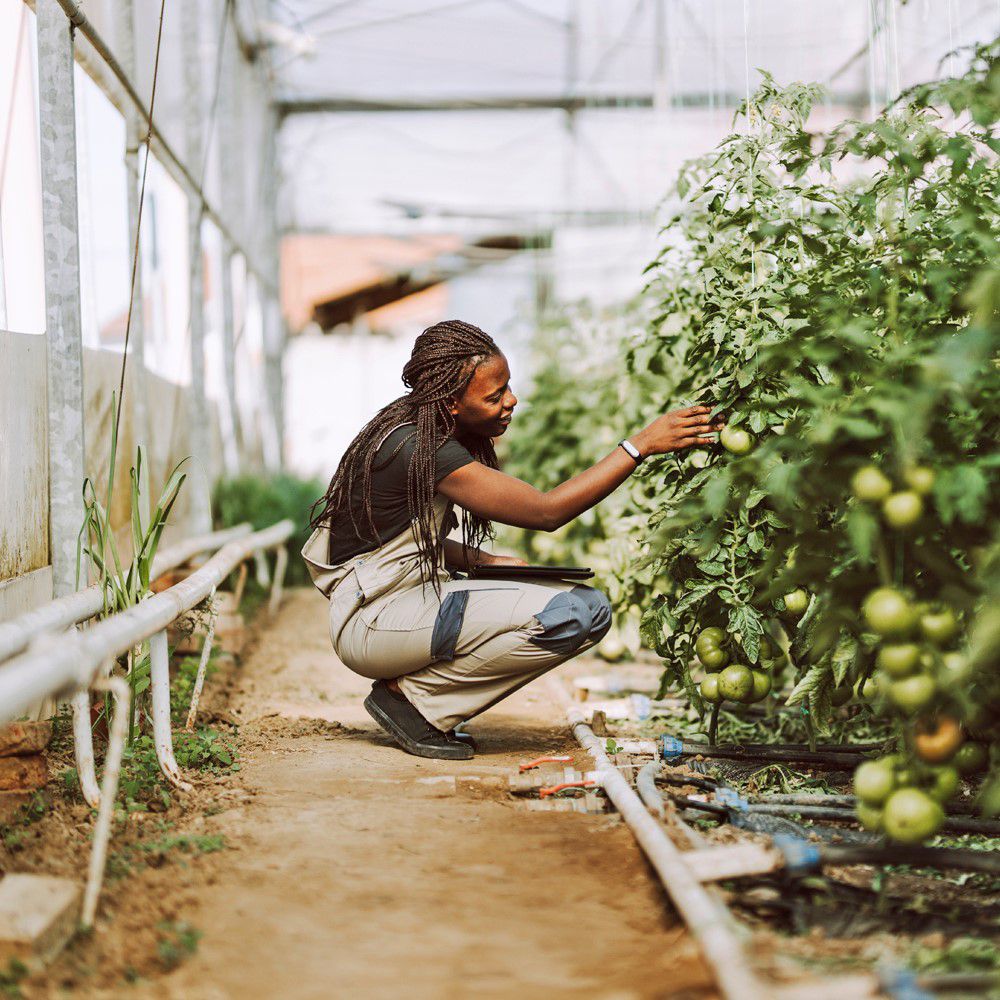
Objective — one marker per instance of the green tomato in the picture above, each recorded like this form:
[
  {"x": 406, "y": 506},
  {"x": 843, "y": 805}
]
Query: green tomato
[
  {"x": 871, "y": 484},
  {"x": 989, "y": 799},
  {"x": 841, "y": 695},
  {"x": 761, "y": 686},
  {"x": 713, "y": 635},
  {"x": 898, "y": 659},
  {"x": 943, "y": 784},
  {"x": 768, "y": 648},
  {"x": 710, "y": 689},
  {"x": 870, "y": 817},
  {"x": 736, "y": 682},
  {"x": 874, "y": 781},
  {"x": 736, "y": 441},
  {"x": 902, "y": 510},
  {"x": 611, "y": 648},
  {"x": 920, "y": 479},
  {"x": 911, "y": 816},
  {"x": 712, "y": 658},
  {"x": 796, "y": 602},
  {"x": 939, "y": 626},
  {"x": 911, "y": 694},
  {"x": 970, "y": 758},
  {"x": 889, "y": 613},
  {"x": 955, "y": 668}
]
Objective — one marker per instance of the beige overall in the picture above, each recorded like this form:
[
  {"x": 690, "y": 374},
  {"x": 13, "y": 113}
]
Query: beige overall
[{"x": 455, "y": 657}]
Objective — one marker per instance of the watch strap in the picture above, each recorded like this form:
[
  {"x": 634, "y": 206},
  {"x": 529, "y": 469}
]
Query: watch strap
[{"x": 630, "y": 450}]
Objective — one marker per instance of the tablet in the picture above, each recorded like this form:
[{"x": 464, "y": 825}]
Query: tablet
[{"x": 544, "y": 572}]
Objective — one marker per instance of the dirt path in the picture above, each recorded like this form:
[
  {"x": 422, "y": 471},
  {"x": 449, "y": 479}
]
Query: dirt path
[{"x": 351, "y": 874}]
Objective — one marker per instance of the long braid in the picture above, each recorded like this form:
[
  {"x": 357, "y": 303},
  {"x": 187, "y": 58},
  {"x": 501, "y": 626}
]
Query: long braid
[{"x": 444, "y": 358}]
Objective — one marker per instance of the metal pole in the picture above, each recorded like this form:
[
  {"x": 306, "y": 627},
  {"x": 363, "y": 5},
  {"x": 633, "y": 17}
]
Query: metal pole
[
  {"x": 231, "y": 167},
  {"x": 64, "y": 337},
  {"x": 200, "y": 517},
  {"x": 274, "y": 325},
  {"x": 136, "y": 369}
]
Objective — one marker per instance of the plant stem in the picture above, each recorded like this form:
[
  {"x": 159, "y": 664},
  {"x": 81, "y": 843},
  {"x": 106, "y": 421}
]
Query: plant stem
[{"x": 713, "y": 725}]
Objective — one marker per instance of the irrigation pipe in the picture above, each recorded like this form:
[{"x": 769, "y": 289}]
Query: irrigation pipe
[
  {"x": 707, "y": 920},
  {"x": 17, "y": 634},
  {"x": 57, "y": 664},
  {"x": 119, "y": 689},
  {"x": 206, "y": 652}
]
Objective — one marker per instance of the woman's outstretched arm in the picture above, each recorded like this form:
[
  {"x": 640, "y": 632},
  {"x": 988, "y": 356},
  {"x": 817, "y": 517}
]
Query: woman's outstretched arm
[{"x": 492, "y": 494}]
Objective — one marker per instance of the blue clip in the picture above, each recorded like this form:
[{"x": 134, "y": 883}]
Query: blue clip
[
  {"x": 671, "y": 748},
  {"x": 800, "y": 855},
  {"x": 731, "y": 798},
  {"x": 901, "y": 984}
]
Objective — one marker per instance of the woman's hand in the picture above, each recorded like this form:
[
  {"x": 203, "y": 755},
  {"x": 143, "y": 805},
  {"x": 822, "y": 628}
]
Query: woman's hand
[{"x": 677, "y": 430}]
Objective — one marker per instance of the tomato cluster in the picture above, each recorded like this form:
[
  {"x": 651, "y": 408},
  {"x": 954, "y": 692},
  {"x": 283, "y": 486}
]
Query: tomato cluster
[{"x": 727, "y": 681}]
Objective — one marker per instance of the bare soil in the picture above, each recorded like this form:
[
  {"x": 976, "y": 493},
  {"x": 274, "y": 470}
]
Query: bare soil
[{"x": 350, "y": 871}]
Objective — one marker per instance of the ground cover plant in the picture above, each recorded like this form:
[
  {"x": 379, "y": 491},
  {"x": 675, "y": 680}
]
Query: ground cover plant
[{"x": 835, "y": 297}]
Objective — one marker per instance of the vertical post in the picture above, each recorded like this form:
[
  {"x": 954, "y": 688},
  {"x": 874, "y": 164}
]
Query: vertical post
[
  {"x": 200, "y": 521},
  {"x": 274, "y": 325},
  {"x": 63, "y": 329},
  {"x": 136, "y": 368},
  {"x": 231, "y": 168},
  {"x": 661, "y": 84}
]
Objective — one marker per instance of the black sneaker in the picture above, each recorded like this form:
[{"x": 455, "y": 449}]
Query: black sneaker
[
  {"x": 467, "y": 738},
  {"x": 409, "y": 728}
]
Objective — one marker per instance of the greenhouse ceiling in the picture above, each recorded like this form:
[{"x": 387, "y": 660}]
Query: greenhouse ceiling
[{"x": 401, "y": 115}]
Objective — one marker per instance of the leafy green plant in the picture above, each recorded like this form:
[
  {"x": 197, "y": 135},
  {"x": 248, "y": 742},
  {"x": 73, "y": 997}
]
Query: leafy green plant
[
  {"x": 264, "y": 500},
  {"x": 177, "y": 941},
  {"x": 124, "y": 583},
  {"x": 837, "y": 298},
  {"x": 142, "y": 783}
]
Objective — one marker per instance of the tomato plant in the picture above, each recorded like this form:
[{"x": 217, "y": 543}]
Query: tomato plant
[{"x": 835, "y": 297}]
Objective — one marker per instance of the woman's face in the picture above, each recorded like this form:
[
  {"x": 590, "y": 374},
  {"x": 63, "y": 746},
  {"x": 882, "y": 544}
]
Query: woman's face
[{"x": 486, "y": 406}]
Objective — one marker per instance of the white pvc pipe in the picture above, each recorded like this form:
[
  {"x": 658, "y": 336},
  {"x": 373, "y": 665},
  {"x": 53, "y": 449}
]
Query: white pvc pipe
[
  {"x": 206, "y": 652},
  {"x": 59, "y": 664},
  {"x": 120, "y": 691},
  {"x": 17, "y": 634},
  {"x": 83, "y": 748},
  {"x": 159, "y": 684},
  {"x": 707, "y": 919},
  {"x": 280, "y": 565}
]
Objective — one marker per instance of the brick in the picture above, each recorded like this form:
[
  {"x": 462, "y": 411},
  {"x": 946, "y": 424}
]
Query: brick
[
  {"x": 38, "y": 915},
  {"x": 10, "y": 803},
  {"x": 18, "y": 773},
  {"x": 20, "y": 738}
]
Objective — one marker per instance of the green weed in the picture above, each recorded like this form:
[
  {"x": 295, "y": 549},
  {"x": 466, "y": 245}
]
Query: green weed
[{"x": 178, "y": 941}]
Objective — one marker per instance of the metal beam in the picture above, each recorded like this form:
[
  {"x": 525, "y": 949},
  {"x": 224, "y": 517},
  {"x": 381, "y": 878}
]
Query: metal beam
[
  {"x": 63, "y": 325},
  {"x": 180, "y": 170},
  {"x": 332, "y": 104}
]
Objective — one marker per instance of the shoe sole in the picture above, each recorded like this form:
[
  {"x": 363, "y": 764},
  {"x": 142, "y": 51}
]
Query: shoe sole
[{"x": 408, "y": 743}]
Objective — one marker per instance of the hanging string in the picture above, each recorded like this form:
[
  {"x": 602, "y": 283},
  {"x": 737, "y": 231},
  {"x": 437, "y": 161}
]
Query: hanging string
[{"x": 138, "y": 221}]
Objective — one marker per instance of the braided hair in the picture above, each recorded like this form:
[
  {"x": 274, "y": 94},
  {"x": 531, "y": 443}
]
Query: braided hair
[{"x": 444, "y": 358}]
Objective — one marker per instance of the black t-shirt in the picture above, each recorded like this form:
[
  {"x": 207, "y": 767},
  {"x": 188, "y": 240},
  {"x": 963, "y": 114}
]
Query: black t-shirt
[{"x": 390, "y": 512}]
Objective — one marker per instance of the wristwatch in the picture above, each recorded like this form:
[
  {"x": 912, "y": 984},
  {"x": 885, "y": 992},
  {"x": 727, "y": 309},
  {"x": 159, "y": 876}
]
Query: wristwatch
[{"x": 632, "y": 450}]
